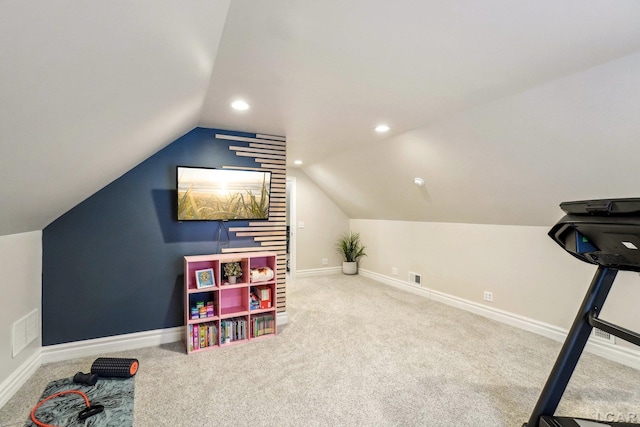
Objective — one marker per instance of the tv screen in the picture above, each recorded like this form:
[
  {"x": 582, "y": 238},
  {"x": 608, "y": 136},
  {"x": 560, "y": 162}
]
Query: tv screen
[{"x": 206, "y": 194}]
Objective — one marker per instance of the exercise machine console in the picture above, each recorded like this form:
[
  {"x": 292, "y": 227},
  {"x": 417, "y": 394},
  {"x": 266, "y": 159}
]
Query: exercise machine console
[{"x": 605, "y": 233}]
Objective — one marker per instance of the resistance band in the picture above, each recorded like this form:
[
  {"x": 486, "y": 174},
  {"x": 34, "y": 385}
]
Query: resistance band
[{"x": 84, "y": 414}]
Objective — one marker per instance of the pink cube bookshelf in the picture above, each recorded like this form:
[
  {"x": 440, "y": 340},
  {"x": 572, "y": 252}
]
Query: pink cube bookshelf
[{"x": 219, "y": 314}]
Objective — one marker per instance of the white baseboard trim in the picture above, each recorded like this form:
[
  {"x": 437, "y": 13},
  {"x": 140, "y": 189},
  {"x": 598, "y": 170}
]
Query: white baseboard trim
[
  {"x": 19, "y": 377},
  {"x": 282, "y": 318},
  {"x": 318, "y": 271},
  {"x": 626, "y": 356},
  {"x": 93, "y": 347},
  {"x": 396, "y": 283},
  {"x": 84, "y": 348}
]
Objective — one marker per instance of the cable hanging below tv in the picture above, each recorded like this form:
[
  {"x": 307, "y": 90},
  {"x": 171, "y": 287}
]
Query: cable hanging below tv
[{"x": 217, "y": 194}]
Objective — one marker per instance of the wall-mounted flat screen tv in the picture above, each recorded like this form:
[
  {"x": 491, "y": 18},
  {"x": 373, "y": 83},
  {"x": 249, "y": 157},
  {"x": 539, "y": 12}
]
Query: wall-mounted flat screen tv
[{"x": 208, "y": 194}]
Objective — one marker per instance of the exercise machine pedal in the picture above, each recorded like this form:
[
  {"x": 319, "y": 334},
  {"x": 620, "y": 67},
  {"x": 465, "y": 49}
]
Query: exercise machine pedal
[{"x": 578, "y": 422}]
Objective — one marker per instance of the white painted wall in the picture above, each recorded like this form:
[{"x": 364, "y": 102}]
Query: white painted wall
[
  {"x": 527, "y": 272},
  {"x": 21, "y": 290},
  {"x": 324, "y": 222}
]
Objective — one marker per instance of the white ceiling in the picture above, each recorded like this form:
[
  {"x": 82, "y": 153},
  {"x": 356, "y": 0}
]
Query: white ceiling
[{"x": 504, "y": 108}]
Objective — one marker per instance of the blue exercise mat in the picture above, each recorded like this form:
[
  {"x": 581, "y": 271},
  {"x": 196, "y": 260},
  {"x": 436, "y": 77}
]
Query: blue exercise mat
[{"x": 115, "y": 394}]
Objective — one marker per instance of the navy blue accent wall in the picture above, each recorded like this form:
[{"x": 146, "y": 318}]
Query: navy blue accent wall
[{"x": 113, "y": 264}]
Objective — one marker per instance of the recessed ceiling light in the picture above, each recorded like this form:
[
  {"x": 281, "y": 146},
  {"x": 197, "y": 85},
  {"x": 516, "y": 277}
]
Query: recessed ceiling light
[
  {"x": 382, "y": 128},
  {"x": 240, "y": 105},
  {"x": 297, "y": 162}
]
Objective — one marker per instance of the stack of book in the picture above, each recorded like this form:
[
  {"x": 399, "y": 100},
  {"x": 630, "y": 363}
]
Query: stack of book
[
  {"x": 233, "y": 329},
  {"x": 263, "y": 325},
  {"x": 203, "y": 335}
]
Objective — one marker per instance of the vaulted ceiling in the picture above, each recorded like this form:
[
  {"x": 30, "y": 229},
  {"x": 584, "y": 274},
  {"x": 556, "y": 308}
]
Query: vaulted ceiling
[{"x": 504, "y": 108}]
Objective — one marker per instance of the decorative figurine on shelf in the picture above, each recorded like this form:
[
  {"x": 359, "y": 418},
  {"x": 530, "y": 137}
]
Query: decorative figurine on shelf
[{"x": 232, "y": 270}]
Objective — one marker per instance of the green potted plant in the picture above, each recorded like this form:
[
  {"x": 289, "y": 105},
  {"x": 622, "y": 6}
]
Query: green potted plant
[
  {"x": 352, "y": 250},
  {"x": 232, "y": 270}
]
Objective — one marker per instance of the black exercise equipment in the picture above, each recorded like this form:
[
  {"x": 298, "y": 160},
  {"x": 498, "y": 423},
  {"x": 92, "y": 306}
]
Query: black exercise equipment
[
  {"x": 88, "y": 379},
  {"x": 114, "y": 367},
  {"x": 605, "y": 233},
  {"x": 89, "y": 411},
  {"x": 105, "y": 367}
]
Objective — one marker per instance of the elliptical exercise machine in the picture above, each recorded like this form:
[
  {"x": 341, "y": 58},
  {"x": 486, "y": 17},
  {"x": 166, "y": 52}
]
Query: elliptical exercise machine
[{"x": 605, "y": 233}]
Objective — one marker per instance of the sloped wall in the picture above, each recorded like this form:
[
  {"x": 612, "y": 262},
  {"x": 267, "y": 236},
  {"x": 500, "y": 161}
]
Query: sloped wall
[{"x": 113, "y": 264}]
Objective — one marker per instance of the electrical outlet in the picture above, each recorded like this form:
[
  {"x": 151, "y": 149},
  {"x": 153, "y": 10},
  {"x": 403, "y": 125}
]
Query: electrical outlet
[
  {"x": 325, "y": 261},
  {"x": 488, "y": 296},
  {"x": 394, "y": 271}
]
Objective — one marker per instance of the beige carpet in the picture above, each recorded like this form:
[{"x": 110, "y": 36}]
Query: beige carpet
[{"x": 358, "y": 353}]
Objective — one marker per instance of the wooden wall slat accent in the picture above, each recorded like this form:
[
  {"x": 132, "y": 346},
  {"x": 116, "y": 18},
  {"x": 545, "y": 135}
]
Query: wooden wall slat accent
[
  {"x": 271, "y": 223},
  {"x": 246, "y": 168},
  {"x": 275, "y": 142},
  {"x": 265, "y": 160},
  {"x": 276, "y": 166},
  {"x": 252, "y": 249},
  {"x": 269, "y": 154},
  {"x": 246, "y": 150},
  {"x": 255, "y": 229},
  {"x": 264, "y": 156},
  {"x": 269, "y": 146},
  {"x": 261, "y": 233},
  {"x": 269, "y": 238},
  {"x": 270, "y": 137}
]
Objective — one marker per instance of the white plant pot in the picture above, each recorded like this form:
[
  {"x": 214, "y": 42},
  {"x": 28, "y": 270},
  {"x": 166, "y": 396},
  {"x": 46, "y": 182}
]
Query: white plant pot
[
  {"x": 349, "y": 267},
  {"x": 232, "y": 280}
]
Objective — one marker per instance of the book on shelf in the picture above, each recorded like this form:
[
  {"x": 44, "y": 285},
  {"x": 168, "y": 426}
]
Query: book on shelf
[
  {"x": 263, "y": 325},
  {"x": 202, "y": 335},
  {"x": 195, "y": 337},
  {"x": 254, "y": 302},
  {"x": 203, "y": 338}
]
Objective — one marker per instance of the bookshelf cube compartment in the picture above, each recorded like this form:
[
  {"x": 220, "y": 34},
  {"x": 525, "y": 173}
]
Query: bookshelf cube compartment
[
  {"x": 203, "y": 336},
  {"x": 260, "y": 267},
  {"x": 234, "y": 300},
  {"x": 263, "y": 324},
  {"x": 242, "y": 278},
  {"x": 234, "y": 330},
  {"x": 202, "y": 306},
  {"x": 192, "y": 267},
  {"x": 262, "y": 297}
]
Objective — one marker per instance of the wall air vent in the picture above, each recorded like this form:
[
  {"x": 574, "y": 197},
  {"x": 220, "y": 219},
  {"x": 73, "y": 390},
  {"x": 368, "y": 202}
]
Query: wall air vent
[
  {"x": 415, "y": 279},
  {"x": 603, "y": 336},
  {"x": 25, "y": 331}
]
